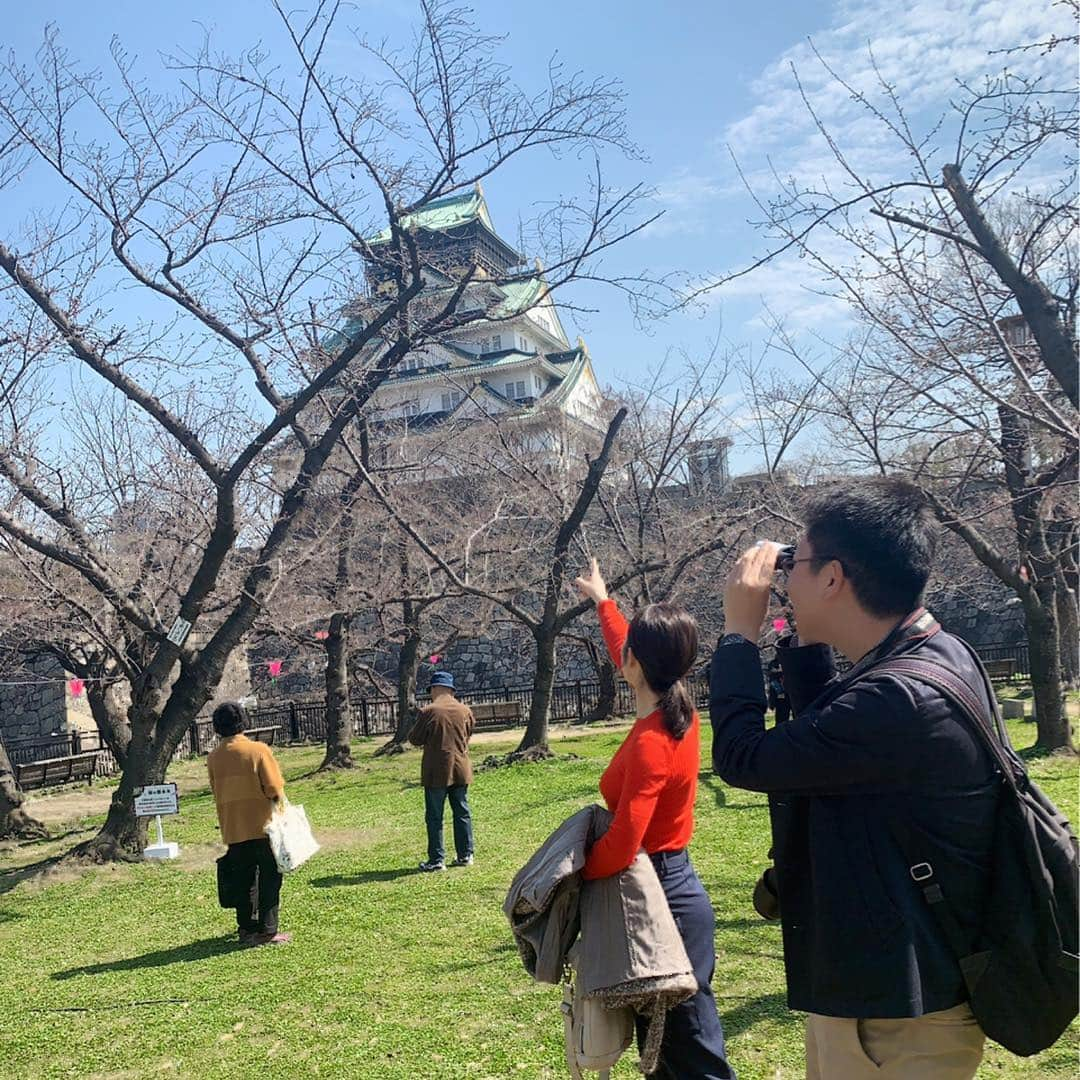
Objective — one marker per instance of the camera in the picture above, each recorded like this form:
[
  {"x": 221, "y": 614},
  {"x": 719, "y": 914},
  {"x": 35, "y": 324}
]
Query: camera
[{"x": 785, "y": 558}]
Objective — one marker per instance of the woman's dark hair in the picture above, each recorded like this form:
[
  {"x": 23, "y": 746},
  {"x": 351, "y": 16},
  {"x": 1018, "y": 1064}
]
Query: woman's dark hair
[
  {"x": 884, "y": 534},
  {"x": 229, "y": 719},
  {"x": 664, "y": 641}
]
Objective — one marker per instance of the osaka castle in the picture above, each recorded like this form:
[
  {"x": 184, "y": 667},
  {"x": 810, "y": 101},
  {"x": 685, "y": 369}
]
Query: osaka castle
[{"x": 513, "y": 363}]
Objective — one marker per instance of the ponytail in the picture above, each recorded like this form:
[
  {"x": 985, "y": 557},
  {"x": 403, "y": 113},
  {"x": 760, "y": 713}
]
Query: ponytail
[
  {"x": 664, "y": 640},
  {"x": 677, "y": 709}
]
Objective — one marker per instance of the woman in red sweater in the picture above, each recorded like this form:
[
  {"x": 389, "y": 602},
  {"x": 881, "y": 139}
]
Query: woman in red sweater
[{"x": 650, "y": 787}]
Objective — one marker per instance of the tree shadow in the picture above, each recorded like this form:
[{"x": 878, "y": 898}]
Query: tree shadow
[
  {"x": 754, "y": 923},
  {"x": 181, "y": 954},
  {"x": 1036, "y": 752},
  {"x": 10, "y": 878},
  {"x": 745, "y": 1016},
  {"x": 367, "y": 877},
  {"x": 496, "y": 954}
]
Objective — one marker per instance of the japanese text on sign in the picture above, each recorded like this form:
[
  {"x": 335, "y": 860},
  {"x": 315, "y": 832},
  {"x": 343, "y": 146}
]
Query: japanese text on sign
[{"x": 157, "y": 799}]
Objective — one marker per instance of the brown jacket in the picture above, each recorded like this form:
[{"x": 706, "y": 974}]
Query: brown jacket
[
  {"x": 244, "y": 777},
  {"x": 443, "y": 729}
]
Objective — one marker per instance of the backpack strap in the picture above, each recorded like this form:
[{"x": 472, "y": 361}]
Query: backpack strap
[
  {"x": 966, "y": 700},
  {"x": 991, "y": 731}
]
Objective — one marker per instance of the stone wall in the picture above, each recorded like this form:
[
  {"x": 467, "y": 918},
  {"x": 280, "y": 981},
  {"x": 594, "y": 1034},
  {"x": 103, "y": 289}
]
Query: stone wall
[
  {"x": 45, "y": 704},
  {"x": 504, "y": 657},
  {"x": 32, "y": 709}
]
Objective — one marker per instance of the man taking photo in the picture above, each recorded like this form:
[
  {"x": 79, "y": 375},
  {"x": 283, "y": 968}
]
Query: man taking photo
[{"x": 869, "y": 762}]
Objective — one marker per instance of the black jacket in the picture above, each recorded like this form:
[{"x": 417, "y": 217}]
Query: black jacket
[{"x": 864, "y": 751}]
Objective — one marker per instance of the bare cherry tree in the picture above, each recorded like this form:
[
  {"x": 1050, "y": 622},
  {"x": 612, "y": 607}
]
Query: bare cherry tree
[
  {"x": 192, "y": 255},
  {"x": 963, "y": 375}
]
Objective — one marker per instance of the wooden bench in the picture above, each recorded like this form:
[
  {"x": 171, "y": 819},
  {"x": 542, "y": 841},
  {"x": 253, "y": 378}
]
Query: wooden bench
[
  {"x": 1000, "y": 670},
  {"x": 263, "y": 734},
  {"x": 52, "y": 771},
  {"x": 498, "y": 712}
]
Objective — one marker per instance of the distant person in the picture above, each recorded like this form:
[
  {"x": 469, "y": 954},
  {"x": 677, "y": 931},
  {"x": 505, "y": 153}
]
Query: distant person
[
  {"x": 443, "y": 729},
  {"x": 247, "y": 785},
  {"x": 777, "y": 695}
]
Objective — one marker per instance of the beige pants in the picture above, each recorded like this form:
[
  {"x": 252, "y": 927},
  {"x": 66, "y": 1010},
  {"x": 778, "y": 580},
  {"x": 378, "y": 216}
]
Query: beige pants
[{"x": 944, "y": 1045}]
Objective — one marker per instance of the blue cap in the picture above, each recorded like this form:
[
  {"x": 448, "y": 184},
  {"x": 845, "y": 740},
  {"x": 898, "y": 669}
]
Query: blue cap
[{"x": 443, "y": 678}]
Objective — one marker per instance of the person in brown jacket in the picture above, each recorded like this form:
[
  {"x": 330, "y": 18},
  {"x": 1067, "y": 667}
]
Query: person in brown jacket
[
  {"x": 443, "y": 729},
  {"x": 247, "y": 784}
]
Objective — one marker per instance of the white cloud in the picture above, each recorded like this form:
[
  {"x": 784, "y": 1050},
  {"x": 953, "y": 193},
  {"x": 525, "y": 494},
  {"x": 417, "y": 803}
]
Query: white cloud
[{"x": 918, "y": 51}]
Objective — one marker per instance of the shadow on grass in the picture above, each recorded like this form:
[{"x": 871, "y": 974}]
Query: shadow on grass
[
  {"x": 714, "y": 784},
  {"x": 745, "y": 1016},
  {"x": 496, "y": 955},
  {"x": 182, "y": 954},
  {"x": 753, "y": 923},
  {"x": 10, "y": 878},
  {"x": 335, "y": 881},
  {"x": 1039, "y": 753}
]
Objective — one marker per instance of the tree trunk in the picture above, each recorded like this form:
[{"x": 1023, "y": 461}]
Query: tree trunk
[
  {"x": 338, "y": 712},
  {"x": 604, "y": 709},
  {"x": 14, "y": 820},
  {"x": 110, "y": 715},
  {"x": 536, "y": 731},
  {"x": 159, "y": 716},
  {"x": 1045, "y": 653},
  {"x": 1069, "y": 632},
  {"x": 408, "y": 666},
  {"x": 123, "y": 836}
]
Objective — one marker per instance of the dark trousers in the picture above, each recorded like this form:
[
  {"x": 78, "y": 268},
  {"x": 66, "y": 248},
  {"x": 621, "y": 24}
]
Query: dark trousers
[
  {"x": 434, "y": 802},
  {"x": 693, "y": 1045},
  {"x": 257, "y": 877}
]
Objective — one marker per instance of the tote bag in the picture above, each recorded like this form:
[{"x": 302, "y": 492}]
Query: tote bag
[{"x": 290, "y": 837}]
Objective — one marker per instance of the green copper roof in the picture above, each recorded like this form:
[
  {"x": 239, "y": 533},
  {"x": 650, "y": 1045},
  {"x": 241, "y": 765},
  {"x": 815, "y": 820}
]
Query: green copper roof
[
  {"x": 443, "y": 214},
  {"x": 520, "y": 297}
]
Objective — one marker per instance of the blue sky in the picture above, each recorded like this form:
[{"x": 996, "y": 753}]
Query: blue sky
[{"x": 699, "y": 77}]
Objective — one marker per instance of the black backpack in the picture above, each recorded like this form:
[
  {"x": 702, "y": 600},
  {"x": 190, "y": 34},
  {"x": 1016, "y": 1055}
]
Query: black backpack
[{"x": 1021, "y": 971}]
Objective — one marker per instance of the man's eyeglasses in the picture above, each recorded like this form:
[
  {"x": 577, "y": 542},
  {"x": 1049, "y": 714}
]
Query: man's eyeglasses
[{"x": 786, "y": 560}]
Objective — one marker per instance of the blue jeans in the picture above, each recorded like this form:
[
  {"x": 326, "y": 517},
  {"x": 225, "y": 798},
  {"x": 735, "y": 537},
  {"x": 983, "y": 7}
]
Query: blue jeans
[
  {"x": 434, "y": 802},
  {"x": 693, "y": 1045}
]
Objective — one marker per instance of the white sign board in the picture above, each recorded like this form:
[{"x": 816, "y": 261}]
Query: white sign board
[
  {"x": 179, "y": 632},
  {"x": 157, "y": 799}
]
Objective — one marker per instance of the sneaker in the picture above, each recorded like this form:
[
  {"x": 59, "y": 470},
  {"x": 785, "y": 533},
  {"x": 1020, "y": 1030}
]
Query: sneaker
[
  {"x": 270, "y": 939},
  {"x": 247, "y": 937},
  {"x": 463, "y": 860},
  {"x": 429, "y": 867}
]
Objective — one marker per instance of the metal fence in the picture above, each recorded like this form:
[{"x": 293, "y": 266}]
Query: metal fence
[{"x": 305, "y": 721}]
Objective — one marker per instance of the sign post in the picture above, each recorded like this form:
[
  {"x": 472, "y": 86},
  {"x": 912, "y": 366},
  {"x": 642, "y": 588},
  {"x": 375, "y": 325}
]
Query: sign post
[{"x": 153, "y": 801}]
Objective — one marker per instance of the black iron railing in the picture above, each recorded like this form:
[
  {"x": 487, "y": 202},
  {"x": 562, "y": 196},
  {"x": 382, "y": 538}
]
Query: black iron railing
[{"x": 305, "y": 721}]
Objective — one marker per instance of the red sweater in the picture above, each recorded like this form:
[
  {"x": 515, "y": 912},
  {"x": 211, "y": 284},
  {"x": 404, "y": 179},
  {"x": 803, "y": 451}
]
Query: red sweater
[{"x": 651, "y": 782}]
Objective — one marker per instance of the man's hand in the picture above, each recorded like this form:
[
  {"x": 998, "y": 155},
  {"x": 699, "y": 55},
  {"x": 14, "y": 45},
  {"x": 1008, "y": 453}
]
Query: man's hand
[
  {"x": 746, "y": 594},
  {"x": 592, "y": 584}
]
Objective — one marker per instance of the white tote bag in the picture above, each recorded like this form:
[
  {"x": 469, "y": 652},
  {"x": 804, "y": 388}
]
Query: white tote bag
[{"x": 290, "y": 837}]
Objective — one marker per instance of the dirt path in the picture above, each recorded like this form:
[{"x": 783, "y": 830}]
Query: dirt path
[{"x": 68, "y": 808}]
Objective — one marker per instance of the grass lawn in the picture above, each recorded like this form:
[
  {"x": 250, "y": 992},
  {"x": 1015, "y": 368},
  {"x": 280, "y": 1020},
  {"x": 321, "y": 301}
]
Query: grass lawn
[{"x": 133, "y": 971}]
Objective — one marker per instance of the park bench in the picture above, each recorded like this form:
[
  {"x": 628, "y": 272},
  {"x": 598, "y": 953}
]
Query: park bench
[
  {"x": 263, "y": 734},
  {"x": 63, "y": 770},
  {"x": 1000, "y": 670},
  {"x": 498, "y": 712}
]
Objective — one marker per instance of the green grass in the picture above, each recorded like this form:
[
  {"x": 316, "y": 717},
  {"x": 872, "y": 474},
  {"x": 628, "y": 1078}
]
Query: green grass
[{"x": 131, "y": 971}]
